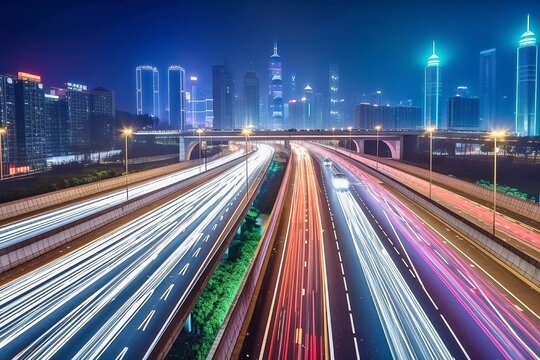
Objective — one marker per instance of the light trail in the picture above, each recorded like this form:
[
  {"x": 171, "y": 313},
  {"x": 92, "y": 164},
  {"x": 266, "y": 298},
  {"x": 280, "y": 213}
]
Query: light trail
[
  {"x": 97, "y": 300},
  {"x": 470, "y": 301},
  {"x": 18, "y": 231},
  {"x": 299, "y": 322}
]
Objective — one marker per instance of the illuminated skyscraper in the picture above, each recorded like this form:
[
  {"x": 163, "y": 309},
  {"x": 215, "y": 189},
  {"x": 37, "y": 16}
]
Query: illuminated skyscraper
[
  {"x": 336, "y": 115},
  {"x": 147, "y": 87},
  {"x": 176, "y": 104},
  {"x": 102, "y": 113},
  {"x": 30, "y": 122},
  {"x": 78, "y": 103},
  {"x": 488, "y": 89},
  {"x": 251, "y": 99},
  {"x": 432, "y": 91},
  {"x": 7, "y": 118},
  {"x": 275, "y": 92},
  {"x": 527, "y": 85}
]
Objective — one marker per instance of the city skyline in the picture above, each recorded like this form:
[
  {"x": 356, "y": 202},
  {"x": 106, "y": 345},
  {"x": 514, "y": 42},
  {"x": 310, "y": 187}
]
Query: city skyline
[{"x": 305, "y": 56}]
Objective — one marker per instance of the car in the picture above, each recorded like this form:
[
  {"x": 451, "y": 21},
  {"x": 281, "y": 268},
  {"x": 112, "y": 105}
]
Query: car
[
  {"x": 340, "y": 182},
  {"x": 327, "y": 162}
]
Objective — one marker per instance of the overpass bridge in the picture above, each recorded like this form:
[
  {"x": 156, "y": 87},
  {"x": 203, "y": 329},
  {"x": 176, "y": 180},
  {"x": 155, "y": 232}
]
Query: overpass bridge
[{"x": 394, "y": 142}]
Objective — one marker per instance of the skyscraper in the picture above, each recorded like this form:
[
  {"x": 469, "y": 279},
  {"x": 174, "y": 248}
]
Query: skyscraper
[
  {"x": 78, "y": 103},
  {"x": 102, "y": 113},
  {"x": 30, "y": 124},
  {"x": 275, "y": 92},
  {"x": 7, "y": 119},
  {"x": 176, "y": 80},
  {"x": 527, "y": 85},
  {"x": 336, "y": 115},
  {"x": 488, "y": 89},
  {"x": 432, "y": 91},
  {"x": 56, "y": 124},
  {"x": 147, "y": 88},
  {"x": 251, "y": 99},
  {"x": 463, "y": 113},
  {"x": 223, "y": 94}
]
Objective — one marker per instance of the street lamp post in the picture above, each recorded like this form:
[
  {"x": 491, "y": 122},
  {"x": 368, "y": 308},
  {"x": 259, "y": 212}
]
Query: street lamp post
[
  {"x": 3, "y": 131},
  {"x": 430, "y": 130},
  {"x": 127, "y": 133},
  {"x": 246, "y": 133},
  {"x": 200, "y": 131},
  {"x": 350, "y": 141},
  {"x": 495, "y": 134},
  {"x": 334, "y": 137},
  {"x": 378, "y": 129}
]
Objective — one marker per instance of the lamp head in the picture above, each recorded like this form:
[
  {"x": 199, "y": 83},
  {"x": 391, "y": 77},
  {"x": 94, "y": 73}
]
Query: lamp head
[{"x": 378, "y": 127}]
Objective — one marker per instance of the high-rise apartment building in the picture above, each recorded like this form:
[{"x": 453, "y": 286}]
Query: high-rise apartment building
[
  {"x": 102, "y": 113},
  {"x": 29, "y": 119},
  {"x": 432, "y": 91},
  {"x": 176, "y": 104},
  {"x": 147, "y": 90},
  {"x": 56, "y": 124},
  {"x": 336, "y": 111},
  {"x": 7, "y": 119},
  {"x": 78, "y": 110},
  {"x": 251, "y": 100},
  {"x": 527, "y": 123},
  {"x": 488, "y": 89}
]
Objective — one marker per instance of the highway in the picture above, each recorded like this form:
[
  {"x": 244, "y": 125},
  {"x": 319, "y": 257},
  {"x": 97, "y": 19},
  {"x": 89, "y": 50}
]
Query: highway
[
  {"x": 116, "y": 296},
  {"x": 521, "y": 235},
  {"x": 299, "y": 323},
  {"x": 411, "y": 269},
  {"x": 18, "y": 231}
]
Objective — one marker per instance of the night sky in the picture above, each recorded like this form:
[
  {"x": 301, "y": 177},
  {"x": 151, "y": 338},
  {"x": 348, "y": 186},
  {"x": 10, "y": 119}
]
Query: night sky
[{"x": 378, "y": 44}]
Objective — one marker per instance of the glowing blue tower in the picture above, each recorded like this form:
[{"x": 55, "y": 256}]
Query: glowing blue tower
[
  {"x": 527, "y": 85},
  {"x": 275, "y": 92},
  {"x": 432, "y": 91}
]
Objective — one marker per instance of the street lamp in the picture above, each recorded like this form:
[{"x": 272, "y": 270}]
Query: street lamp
[
  {"x": 127, "y": 133},
  {"x": 430, "y": 130},
  {"x": 334, "y": 137},
  {"x": 350, "y": 141},
  {"x": 3, "y": 131},
  {"x": 378, "y": 129},
  {"x": 495, "y": 134},
  {"x": 246, "y": 133},
  {"x": 200, "y": 131}
]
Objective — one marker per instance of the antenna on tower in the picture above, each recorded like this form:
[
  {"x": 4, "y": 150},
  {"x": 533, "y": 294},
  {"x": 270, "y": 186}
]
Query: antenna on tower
[
  {"x": 275, "y": 47},
  {"x": 433, "y": 47},
  {"x": 528, "y": 22}
]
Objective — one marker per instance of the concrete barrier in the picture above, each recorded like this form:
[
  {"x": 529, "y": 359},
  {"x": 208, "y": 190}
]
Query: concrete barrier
[
  {"x": 29, "y": 249},
  {"x": 40, "y": 202},
  {"x": 228, "y": 336}
]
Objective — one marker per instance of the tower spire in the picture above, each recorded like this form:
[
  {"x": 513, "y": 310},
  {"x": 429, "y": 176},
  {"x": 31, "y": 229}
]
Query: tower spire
[
  {"x": 433, "y": 47},
  {"x": 275, "y": 47},
  {"x": 528, "y": 22}
]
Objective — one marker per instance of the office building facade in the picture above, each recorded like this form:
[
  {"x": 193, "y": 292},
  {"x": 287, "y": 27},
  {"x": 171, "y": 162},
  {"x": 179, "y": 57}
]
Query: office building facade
[
  {"x": 251, "y": 100},
  {"x": 336, "y": 112},
  {"x": 488, "y": 89},
  {"x": 223, "y": 96},
  {"x": 102, "y": 113},
  {"x": 7, "y": 119},
  {"x": 78, "y": 104},
  {"x": 176, "y": 101},
  {"x": 56, "y": 124},
  {"x": 463, "y": 113},
  {"x": 147, "y": 90}
]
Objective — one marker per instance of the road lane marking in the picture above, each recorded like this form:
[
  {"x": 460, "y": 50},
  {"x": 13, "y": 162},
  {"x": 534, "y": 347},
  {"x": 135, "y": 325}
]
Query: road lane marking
[
  {"x": 122, "y": 354},
  {"x": 184, "y": 269},
  {"x": 145, "y": 322},
  {"x": 166, "y": 293},
  {"x": 197, "y": 252},
  {"x": 352, "y": 324}
]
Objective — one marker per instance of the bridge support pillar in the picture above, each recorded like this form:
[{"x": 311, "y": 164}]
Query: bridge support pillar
[
  {"x": 395, "y": 148},
  {"x": 181, "y": 149},
  {"x": 360, "y": 146},
  {"x": 287, "y": 144}
]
